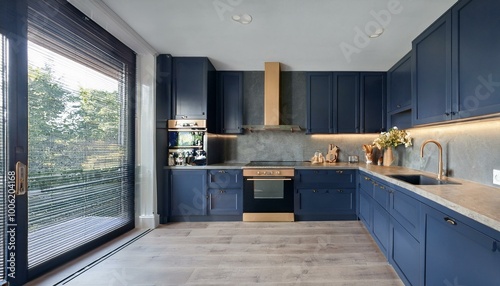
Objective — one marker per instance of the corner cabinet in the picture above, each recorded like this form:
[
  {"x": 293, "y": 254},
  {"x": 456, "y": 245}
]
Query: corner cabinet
[
  {"x": 194, "y": 89},
  {"x": 345, "y": 102},
  {"x": 230, "y": 102},
  {"x": 399, "y": 94},
  {"x": 325, "y": 194}
]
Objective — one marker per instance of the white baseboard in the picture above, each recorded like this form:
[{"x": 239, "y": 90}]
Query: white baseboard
[{"x": 147, "y": 221}]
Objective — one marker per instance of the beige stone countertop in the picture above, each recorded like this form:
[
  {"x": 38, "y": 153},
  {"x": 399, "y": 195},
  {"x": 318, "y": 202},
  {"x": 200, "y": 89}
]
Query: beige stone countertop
[{"x": 473, "y": 200}]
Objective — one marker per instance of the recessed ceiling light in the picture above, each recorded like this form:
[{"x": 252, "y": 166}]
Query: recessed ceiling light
[
  {"x": 377, "y": 33},
  {"x": 242, "y": 19}
]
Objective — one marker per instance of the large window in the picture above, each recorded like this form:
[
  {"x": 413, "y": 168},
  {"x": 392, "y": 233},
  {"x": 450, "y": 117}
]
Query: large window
[{"x": 80, "y": 132}]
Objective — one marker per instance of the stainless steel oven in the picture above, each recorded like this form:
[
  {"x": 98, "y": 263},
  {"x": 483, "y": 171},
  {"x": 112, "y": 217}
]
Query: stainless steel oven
[{"x": 268, "y": 194}]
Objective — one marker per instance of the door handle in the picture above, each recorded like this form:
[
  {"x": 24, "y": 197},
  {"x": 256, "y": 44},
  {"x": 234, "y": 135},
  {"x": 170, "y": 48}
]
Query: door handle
[{"x": 21, "y": 179}]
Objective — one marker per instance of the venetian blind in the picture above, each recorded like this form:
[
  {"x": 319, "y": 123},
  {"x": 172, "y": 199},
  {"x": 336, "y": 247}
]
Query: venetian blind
[{"x": 80, "y": 132}]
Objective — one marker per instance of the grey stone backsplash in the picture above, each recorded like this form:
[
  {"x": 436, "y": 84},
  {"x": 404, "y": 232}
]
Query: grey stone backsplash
[{"x": 470, "y": 150}]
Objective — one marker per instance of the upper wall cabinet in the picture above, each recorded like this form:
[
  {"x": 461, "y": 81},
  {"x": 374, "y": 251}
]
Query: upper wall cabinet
[
  {"x": 399, "y": 93},
  {"x": 456, "y": 64},
  {"x": 345, "y": 102},
  {"x": 230, "y": 102},
  {"x": 432, "y": 73},
  {"x": 194, "y": 89},
  {"x": 372, "y": 102},
  {"x": 476, "y": 58},
  {"x": 163, "y": 89}
]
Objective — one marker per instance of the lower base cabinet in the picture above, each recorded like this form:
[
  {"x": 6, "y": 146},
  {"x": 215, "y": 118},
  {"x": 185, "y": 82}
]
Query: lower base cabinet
[
  {"x": 187, "y": 193},
  {"x": 194, "y": 198},
  {"x": 458, "y": 254},
  {"x": 381, "y": 227},
  {"x": 406, "y": 255},
  {"x": 225, "y": 202}
]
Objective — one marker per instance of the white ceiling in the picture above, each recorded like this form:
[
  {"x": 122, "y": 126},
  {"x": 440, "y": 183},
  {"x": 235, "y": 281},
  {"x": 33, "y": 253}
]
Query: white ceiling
[{"x": 304, "y": 35}]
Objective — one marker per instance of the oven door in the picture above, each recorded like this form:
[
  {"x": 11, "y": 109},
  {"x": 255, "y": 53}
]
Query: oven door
[{"x": 268, "y": 195}]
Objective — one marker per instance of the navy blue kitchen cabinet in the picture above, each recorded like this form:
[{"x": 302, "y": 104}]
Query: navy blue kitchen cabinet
[
  {"x": 406, "y": 255},
  {"x": 319, "y": 103},
  {"x": 432, "y": 73},
  {"x": 365, "y": 209},
  {"x": 381, "y": 221},
  {"x": 325, "y": 194},
  {"x": 476, "y": 60},
  {"x": 345, "y": 102},
  {"x": 346, "y": 99},
  {"x": 394, "y": 219},
  {"x": 458, "y": 253},
  {"x": 372, "y": 102},
  {"x": 225, "y": 202},
  {"x": 188, "y": 194},
  {"x": 456, "y": 63},
  {"x": 194, "y": 88},
  {"x": 230, "y": 102},
  {"x": 399, "y": 94},
  {"x": 225, "y": 193}
]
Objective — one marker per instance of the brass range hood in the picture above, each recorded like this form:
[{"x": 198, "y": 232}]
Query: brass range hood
[{"x": 272, "y": 72}]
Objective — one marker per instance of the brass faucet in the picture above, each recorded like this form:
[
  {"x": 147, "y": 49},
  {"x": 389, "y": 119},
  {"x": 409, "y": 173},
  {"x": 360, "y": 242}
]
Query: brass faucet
[{"x": 440, "y": 163}]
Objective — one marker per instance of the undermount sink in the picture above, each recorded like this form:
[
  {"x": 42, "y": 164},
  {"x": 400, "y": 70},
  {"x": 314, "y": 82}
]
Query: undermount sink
[{"x": 416, "y": 179}]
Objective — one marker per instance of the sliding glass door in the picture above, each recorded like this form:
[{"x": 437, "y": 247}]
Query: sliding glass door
[
  {"x": 66, "y": 137},
  {"x": 80, "y": 134}
]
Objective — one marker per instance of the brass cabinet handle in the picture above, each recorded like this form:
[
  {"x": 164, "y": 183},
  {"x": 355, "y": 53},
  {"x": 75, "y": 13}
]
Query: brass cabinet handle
[
  {"x": 450, "y": 221},
  {"x": 221, "y": 191},
  {"x": 340, "y": 172},
  {"x": 222, "y": 171},
  {"x": 315, "y": 191},
  {"x": 340, "y": 191}
]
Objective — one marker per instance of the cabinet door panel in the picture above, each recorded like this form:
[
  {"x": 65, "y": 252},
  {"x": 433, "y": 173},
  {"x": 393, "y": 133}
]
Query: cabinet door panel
[
  {"x": 457, "y": 254},
  {"x": 223, "y": 179},
  {"x": 187, "y": 188},
  {"x": 225, "y": 202},
  {"x": 476, "y": 57},
  {"x": 373, "y": 94},
  {"x": 381, "y": 227},
  {"x": 325, "y": 201},
  {"x": 406, "y": 254},
  {"x": 319, "y": 102},
  {"x": 432, "y": 75},
  {"x": 328, "y": 178},
  {"x": 231, "y": 101},
  {"x": 406, "y": 210},
  {"x": 399, "y": 84},
  {"x": 365, "y": 209},
  {"x": 346, "y": 102}
]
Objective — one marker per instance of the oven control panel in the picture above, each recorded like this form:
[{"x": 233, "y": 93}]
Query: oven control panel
[{"x": 268, "y": 172}]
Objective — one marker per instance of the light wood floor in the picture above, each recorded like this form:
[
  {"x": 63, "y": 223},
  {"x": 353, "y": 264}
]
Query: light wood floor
[{"x": 243, "y": 253}]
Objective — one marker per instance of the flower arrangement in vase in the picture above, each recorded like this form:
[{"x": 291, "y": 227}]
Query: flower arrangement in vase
[{"x": 388, "y": 140}]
